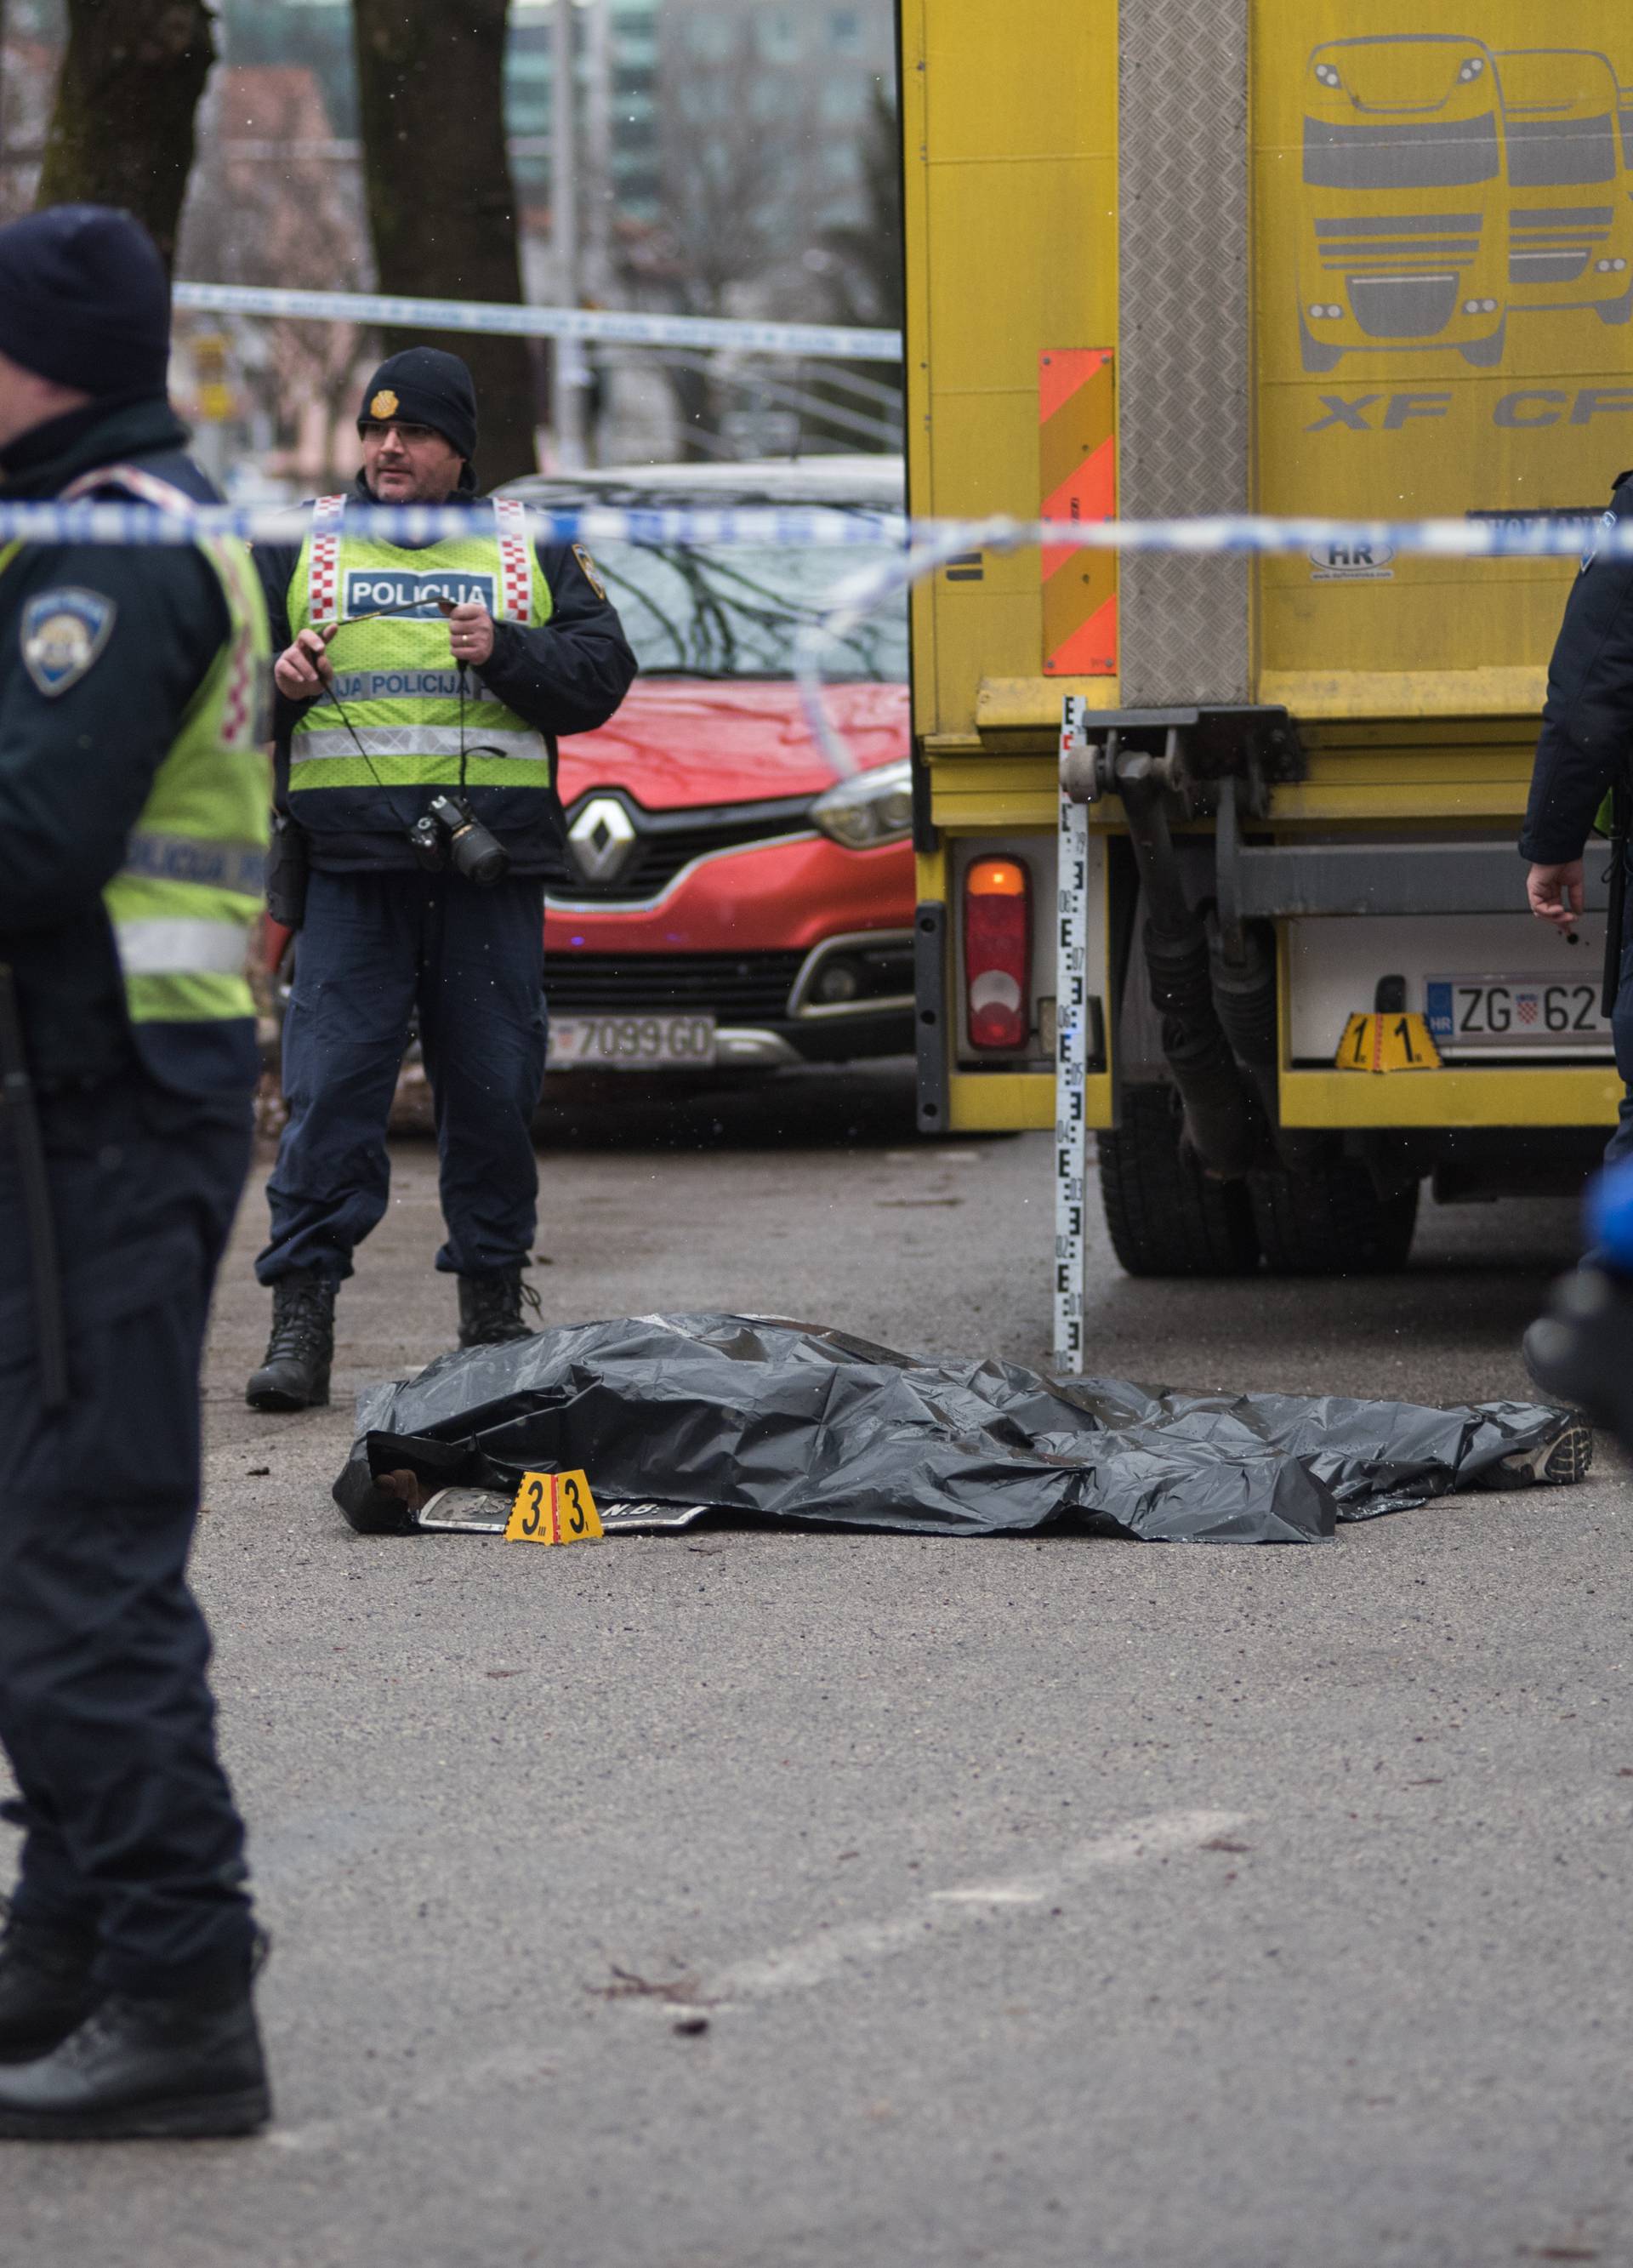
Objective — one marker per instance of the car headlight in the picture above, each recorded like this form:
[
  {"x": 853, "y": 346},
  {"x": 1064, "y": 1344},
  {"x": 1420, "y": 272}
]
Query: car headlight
[
  {"x": 875, "y": 807},
  {"x": 1472, "y": 68},
  {"x": 1327, "y": 76}
]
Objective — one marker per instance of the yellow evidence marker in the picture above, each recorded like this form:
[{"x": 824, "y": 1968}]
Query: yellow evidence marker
[
  {"x": 554, "y": 1508},
  {"x": 1387, "y": 1042}
]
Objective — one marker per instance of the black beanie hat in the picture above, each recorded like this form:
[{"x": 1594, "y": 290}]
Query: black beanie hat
[
  {"x": 85, "y": 299},
  {"x": 423, "y": 387}
]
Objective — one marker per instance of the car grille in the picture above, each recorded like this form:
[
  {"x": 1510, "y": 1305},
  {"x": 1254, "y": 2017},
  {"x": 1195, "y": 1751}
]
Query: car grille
[
  {"x": 746, "y": 988},
  {"x": 1405, "y": 244},
  {"x": 665, "y": 842},
  {"x": 1404, "y": 306}
]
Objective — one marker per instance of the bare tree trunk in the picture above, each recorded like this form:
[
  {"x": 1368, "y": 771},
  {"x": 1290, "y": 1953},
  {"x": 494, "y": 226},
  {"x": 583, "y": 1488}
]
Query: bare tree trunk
[
  {"x": 122, "y": 132},
  {"x": 442, "y": 209}
]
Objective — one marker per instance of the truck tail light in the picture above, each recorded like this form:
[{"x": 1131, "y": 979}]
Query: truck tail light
[{"x": 997, "y": 952}]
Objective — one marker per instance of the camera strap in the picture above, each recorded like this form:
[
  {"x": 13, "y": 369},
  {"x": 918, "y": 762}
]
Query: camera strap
[
  {"x": 481, "y": 749},
  {"x": 357, "y": 743}
]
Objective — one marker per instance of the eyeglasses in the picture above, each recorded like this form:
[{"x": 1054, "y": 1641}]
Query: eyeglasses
[{"x": 409, "y": 435}]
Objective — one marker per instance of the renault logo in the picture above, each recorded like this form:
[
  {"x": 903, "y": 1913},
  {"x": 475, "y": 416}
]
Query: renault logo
[{"x": 601, "y": 839}]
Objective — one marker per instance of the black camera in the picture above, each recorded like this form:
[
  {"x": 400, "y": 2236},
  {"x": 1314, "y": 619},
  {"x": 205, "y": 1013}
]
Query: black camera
[{"x": 448, "y": 833}]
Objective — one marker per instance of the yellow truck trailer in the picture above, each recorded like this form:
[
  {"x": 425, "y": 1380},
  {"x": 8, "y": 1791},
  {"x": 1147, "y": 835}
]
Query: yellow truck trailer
[{"x": 1357, "y": 259}]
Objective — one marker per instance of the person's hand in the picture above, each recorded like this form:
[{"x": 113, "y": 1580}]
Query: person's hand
[
  {"x": 303, "y": 670},
  {"x": 470, "y": 630},
  {"x": 1555, "y": 893}
]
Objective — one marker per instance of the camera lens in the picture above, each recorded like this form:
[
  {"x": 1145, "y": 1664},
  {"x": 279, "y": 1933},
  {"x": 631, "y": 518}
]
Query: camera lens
[
  {"x": 472, "y": 851},
  {"x": 477, "y": 855}
]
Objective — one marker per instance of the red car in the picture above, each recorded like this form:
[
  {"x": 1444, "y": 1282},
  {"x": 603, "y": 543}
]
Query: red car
[{"x": 735, "y": 902}]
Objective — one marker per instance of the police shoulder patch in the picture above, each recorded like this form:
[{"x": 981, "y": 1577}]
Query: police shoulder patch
[
  {"x": 592, "y": 574},
  {"x": 62, "y": 634}
]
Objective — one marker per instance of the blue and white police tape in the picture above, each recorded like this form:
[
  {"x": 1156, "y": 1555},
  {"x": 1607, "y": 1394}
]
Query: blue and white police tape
[
  {"x": 851, "y": 602},
  {"x": 933, "y": 544},
  {"x": 616, "y": 325},
  {"x": 918, "y": 546},
  {"x": 809, "y": 527},
  {"x": 1520, "y": 535}
]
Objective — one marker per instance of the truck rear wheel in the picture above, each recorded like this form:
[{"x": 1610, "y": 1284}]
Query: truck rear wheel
[
  {"x": 1164, "y": 1216},
  {"x": 1332, "y": 1222}
]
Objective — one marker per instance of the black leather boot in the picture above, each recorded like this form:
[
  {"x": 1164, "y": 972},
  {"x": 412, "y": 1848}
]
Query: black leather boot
[
  {"x": 296, "y": 1372},
  {"x": 490, "y": 1308},
  {"x": 45, "y": 1987},
  {"x": 137, "y": 2068}
]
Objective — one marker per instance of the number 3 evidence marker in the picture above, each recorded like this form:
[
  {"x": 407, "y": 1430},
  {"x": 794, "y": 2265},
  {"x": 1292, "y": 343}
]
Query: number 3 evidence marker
[{"x": 554, "y": 1508}]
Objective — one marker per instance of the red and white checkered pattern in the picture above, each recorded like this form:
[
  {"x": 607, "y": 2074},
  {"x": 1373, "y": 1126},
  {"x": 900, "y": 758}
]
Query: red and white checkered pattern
[
  {"x": 515, "y": 560},
  {"x": 145, "y": 488},
  {"x": 240, "y": 708},
  {"x": 323, "y": 568}
]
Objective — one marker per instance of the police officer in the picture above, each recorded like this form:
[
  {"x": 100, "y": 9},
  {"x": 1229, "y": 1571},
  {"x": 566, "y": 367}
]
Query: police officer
[
  {"x": 421, "y": 688},
  {"x": 133, "y": 796},
  {"x": 1583, "y": 754}
]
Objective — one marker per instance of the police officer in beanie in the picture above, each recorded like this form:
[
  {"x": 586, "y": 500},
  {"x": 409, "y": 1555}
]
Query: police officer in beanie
[
  {"x": 134, "y": 786},
  {"x": 421, "y": 688}
]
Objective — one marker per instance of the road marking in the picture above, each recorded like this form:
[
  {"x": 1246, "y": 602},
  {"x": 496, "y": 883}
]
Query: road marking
[
  {"x": 1001, "y": 1894},
  {"x": 795, "y": 1967}
]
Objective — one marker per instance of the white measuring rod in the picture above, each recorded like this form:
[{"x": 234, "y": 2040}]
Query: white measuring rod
[{"x": 1071, "y": 1053}]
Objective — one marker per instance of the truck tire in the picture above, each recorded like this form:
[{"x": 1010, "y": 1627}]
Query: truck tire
[
  {"x": 1332, "y": 1223},
  {"x": 1163, "y": 1214}
]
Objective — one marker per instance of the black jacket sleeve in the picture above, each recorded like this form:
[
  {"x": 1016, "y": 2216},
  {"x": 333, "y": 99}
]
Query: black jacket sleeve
[
  {"x": 1587, "y": 724},
  {"x": 275, "y": 564},
  {"x": 571, "y": 673},
  {"x": 76, "y": 765}
]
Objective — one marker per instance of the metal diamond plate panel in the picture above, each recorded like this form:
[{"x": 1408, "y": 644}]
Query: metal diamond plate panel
[{"x": 1184, "y": 375}]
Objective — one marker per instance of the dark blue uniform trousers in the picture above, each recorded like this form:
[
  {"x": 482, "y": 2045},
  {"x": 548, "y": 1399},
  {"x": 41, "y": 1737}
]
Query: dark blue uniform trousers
[
  {"x": 1621, "y": 1143},
  {"x": 374, "y": 949},
  {"x": 129, "y": 1828}
]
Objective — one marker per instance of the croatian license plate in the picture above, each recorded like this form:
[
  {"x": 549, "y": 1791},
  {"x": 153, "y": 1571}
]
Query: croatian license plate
[
  {"x": 1497, "y": 1014},
  {"x": 631, "y": 1042}
]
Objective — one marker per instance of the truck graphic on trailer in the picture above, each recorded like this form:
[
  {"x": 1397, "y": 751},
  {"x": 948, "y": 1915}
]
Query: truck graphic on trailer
[
  {"x": 1363, "y": 194},
  {"x": 1570, "y": 225},
  {"x": 1404, "y": 241}
]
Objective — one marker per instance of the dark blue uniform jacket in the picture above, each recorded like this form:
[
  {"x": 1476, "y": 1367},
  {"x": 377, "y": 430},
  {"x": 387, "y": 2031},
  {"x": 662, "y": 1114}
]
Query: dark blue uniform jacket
[
  {"x": 76, "y": 765},
  {"x": 567, "y": 676},
  {"x": 1587, "y": 725}
]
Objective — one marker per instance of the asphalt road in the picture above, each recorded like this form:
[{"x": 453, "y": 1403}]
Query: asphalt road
[{"x": 758, "y": 1900}]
